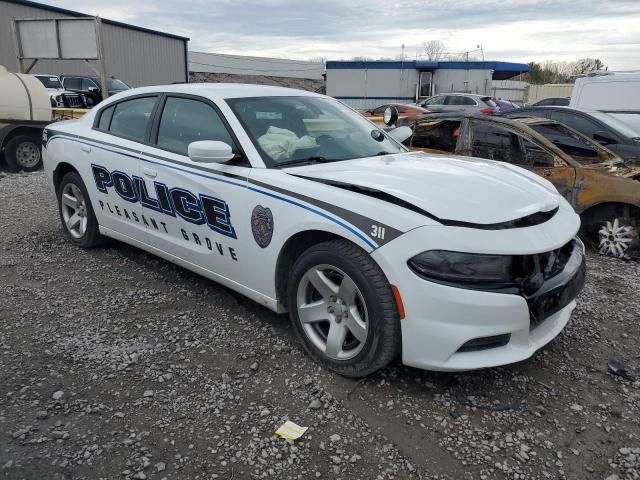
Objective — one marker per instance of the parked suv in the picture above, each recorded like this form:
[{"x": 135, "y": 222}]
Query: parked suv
[
  {"x": 60, "y": 98},
  {"x": 618, "y": 131},
  {"x": 465, "y": 102},
  {"x": 89, "y": 86}
]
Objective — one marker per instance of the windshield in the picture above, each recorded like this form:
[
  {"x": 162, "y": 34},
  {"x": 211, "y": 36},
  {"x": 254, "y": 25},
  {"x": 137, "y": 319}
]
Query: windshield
[
  {"x": 115, "y": 84},
  {"x": 627, "y": 124},
  {"x": 50, "y": 82},
  {"x": 297, "y": 130},
  {"x": 572, "y": 143}
]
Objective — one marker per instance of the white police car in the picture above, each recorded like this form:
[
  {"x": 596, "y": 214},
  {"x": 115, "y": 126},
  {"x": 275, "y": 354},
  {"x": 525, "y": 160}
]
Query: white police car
[{"x": 301, "y": 204}]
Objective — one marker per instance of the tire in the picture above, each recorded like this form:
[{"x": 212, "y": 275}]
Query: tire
[
  {"x": 78, "y": 219},
  {"x": 354, "y": 295},
  {"x": 23, "y": 153}
]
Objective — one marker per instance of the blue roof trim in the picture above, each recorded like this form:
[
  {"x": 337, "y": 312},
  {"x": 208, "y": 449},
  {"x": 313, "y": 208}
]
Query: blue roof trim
[
  {"x": 73, "y": 13},
  {"x": 495, "y": 66},
  {"x": 427, "y": 65},
  {"x": 373, "y": 64}
]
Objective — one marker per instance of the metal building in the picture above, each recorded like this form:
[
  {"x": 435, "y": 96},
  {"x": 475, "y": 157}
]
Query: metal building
[
  {"x": 136, "y": 55},
  {"x": 368, "y": 84},
  {"x": 218, "y": 67}
]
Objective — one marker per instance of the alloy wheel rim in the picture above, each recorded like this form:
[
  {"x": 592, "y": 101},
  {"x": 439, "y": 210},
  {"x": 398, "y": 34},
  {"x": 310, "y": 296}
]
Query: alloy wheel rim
[
  {"x": 27, "y": 155},
  {"x": 616, "y": 238},
  {"x": 332, "y": 312},
  {"x": 74, "y": 210}
]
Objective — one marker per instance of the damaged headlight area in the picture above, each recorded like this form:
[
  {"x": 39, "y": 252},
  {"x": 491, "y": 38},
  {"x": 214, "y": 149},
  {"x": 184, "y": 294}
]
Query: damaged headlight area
[{"x": 517, "y": 274}]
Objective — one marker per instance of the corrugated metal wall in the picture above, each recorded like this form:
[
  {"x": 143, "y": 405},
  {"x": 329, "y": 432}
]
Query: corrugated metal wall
[
  {"x": 549, "y": 90},
  {"x": 138, "y": 58},
  {"x": 513, "y": 90},
  {"x": 245, "y": 65},
  {"x": 368, "y": 88},
  {"x": 460, "y": 80}
]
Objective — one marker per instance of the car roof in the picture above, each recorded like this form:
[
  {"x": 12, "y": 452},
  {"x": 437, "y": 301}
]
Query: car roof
[
  {"x": 460, "y": 114},
  {"x": 461, "y": 95},
  {"x": 222, "y": 90}
]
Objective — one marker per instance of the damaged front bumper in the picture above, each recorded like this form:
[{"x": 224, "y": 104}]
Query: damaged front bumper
[{"x": 453, "y": 329}]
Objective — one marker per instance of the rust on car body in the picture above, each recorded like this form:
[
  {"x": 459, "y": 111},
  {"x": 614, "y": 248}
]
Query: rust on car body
[{"x": 600, "y": 191}]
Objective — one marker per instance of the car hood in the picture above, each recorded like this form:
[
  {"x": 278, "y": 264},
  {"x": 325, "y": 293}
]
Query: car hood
[{"x": 450, "y": 188}]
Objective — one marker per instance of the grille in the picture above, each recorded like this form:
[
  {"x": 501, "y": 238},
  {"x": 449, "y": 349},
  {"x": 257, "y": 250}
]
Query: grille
[
  {"x": 561, "y": 285},
  {"x": 72, "y": 100}
]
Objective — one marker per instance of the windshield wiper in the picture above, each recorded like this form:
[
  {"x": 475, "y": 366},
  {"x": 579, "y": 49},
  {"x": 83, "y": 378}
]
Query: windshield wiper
[{"x": 305, "y": 161}]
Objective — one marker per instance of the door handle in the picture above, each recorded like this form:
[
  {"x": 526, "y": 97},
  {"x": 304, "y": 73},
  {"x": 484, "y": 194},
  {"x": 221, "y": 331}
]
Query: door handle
[
  {"x": 85, "y": 148},
  {"x": 149, "y": 172}
]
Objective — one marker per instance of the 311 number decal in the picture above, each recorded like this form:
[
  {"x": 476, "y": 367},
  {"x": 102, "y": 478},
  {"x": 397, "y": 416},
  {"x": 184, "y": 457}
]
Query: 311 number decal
[{"x": 377, "y": 232}]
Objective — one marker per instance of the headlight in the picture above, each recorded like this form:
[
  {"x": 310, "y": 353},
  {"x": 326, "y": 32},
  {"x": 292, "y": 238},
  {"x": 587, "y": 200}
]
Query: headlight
[
  {"x": 479, "y": 271},
  {"x": 58, "y": 98}
]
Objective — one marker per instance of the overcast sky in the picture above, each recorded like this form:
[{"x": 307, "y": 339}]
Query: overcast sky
[{"x": 520, "y": 31}]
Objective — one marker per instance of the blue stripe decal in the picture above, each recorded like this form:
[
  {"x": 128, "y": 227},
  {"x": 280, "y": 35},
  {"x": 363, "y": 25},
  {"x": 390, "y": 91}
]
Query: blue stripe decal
[{"x": 223, "y": 180}]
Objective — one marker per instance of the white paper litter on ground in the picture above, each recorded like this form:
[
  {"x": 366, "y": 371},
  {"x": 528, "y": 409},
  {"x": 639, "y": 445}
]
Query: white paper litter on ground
[{"x": 291, "y": 430}]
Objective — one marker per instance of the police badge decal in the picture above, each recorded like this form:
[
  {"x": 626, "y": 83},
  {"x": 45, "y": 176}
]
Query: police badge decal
[{"x": 262, "y": 225}]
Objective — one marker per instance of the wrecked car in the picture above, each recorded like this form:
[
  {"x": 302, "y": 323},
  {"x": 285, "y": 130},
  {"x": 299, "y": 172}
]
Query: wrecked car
[{"x": 597, "y": 183}]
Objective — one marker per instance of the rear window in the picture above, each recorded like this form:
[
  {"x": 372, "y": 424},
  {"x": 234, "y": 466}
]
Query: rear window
[
  {"x": 105, "y": 119},
  {"x": 490, "y": 103},
  {"x": 130, "y": 118},
  {"x": 440, "y": 135}
]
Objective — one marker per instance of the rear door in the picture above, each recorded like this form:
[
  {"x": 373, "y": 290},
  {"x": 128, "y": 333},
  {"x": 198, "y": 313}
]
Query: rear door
[
  {"x": 199, "y": 209},
  {"x": 494, "y": 142},
  {"x": 114, "y": 158}
]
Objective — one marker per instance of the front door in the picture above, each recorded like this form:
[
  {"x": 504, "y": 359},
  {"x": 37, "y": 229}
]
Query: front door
[
  {"x": 198, "y": 210},
  {"x": 552, "y": 168}
]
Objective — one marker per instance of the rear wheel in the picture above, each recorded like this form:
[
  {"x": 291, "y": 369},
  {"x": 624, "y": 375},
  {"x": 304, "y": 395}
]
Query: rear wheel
[
  {"x": 23, "y": 153},
  {"x": 76, "y": 213},
  {"x": 617, "y": 237},
  {"x": 342, "y": 308}
]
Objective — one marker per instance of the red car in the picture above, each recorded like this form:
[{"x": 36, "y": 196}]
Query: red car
[{"x": 405, "y": 112}]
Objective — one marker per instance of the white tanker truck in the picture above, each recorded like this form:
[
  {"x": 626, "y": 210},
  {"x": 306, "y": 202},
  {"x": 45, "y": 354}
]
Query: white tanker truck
[{"x": 25, "y": 109}]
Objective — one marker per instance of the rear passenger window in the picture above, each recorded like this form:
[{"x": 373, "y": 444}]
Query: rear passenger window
[
  {"x": 495, "y": 143},
  {"x": 441, "y": 135},
  {"x": 185, "y": 120},
  {"x": 105, "y": 119},
  {"x": 131, "y": 117}
]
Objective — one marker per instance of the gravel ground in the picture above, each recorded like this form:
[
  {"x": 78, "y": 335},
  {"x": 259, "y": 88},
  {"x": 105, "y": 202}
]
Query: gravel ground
[{"x": 116, "y": 364}]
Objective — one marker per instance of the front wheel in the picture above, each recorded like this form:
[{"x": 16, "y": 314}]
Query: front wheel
[
  {"x": 617, "y": 237},
  {"x": 76, "y": 213},
  {"x": 343, "y": 310}
]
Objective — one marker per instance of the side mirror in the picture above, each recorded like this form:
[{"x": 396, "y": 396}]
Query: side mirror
[
  {"x": 93, "y": 89},
  {"x": 390, "y": 116},
  {"x": 400, "y": 133},
  {"x": 604, "y": 138},
  {"x": 210, "y": 151}
]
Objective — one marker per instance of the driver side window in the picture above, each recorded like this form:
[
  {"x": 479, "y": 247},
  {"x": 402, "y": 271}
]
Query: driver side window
[
  {"x": 536, "y": 156},
  {"x": 185, "y": 120}
]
